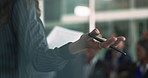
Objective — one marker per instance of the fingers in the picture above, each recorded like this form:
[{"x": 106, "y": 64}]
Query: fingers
[
  {"x": 119, "y": 39},
  {"x": 112, "y": 41},
  {"x": 109, "y": 42},
  {"x": 95, "y": 43}
]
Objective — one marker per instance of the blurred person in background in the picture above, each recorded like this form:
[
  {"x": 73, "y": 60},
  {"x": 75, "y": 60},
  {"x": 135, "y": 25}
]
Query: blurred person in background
[
  {"x": 115, "y": 61},
  {"x": 142, "y": 55},
  {"x": 86, "y": 65},
  {"x": 145, "y": 35},
  {"x": 24, "y": 50},
  {"x": 79, "y": 67},
  {"x": 99, "y": 70}
]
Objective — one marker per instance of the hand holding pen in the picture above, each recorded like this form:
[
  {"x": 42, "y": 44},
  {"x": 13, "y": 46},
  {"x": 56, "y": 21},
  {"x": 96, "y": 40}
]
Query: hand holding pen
[
  {"x": 100, "y": 39},
  {"x": 116, "y": 39},
  {"x": 93, "y": 40}
]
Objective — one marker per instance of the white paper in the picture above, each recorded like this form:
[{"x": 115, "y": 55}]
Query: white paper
[{"x": 60, "y": 36}]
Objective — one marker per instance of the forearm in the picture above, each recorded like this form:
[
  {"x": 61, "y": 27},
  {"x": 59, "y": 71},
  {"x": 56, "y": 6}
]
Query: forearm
[{"x": 52, "y": 59}]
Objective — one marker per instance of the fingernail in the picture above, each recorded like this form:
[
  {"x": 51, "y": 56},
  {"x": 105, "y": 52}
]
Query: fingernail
[
  {"x": 97, "y": 31},
  {"x": 115, "y": 38},
  {"x": 124, "y": 39}
]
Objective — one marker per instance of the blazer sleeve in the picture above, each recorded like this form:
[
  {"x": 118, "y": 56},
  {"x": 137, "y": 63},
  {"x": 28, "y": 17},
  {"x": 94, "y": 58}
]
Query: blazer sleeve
[{"x": 32, "y": 39}]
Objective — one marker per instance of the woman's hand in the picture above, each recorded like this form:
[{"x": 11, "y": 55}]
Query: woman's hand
[{"x": 86, "y": 42}]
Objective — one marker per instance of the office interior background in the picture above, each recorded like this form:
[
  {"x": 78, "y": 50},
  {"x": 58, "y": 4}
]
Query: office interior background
[{"x": 127, "y": 18}]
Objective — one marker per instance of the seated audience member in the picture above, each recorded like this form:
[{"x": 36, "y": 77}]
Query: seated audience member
[
  {"x": 145, "y": 35},
  {"x": 79, "y": 67},
  {"x": 116, "y": 62},
  {"x": 142, "y": 55}
]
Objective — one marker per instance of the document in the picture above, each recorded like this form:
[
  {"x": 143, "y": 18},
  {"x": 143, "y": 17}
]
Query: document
[{"x": 60, "y": 36}]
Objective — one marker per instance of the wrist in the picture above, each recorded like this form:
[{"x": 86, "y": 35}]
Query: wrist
[{"x": 76, "y": 47}]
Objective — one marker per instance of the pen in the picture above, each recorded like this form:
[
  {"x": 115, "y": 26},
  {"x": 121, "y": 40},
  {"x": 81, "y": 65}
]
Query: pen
[{"x": 100, "y": 40}]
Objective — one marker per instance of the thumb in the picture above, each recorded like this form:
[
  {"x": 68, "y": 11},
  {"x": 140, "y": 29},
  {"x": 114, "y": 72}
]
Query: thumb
[{"x": 95, "y": 32}]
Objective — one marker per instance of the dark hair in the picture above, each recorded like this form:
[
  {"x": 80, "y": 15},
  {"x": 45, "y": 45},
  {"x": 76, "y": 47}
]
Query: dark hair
[
  {"x": 144, "y": 44},
  {"x": 6, "y": 10},
  {"x": 38, "y": 9}
]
